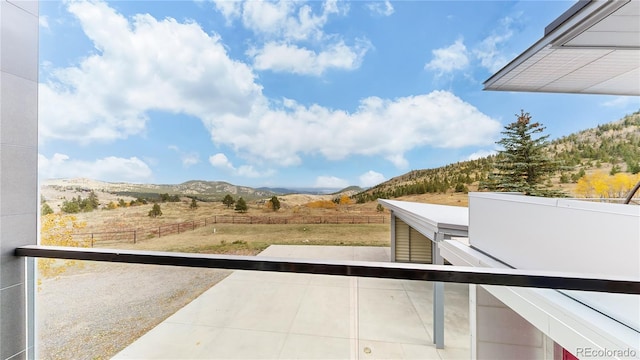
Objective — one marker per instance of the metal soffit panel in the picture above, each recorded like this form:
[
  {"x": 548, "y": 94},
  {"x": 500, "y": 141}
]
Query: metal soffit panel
[{"x": 600, "y": 56}]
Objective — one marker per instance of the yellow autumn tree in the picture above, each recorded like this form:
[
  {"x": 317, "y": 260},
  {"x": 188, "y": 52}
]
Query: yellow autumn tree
[
  {"x": 620, "y": 184},
  {"x": 602, "y": 185},
  {"x": 58, "y": 229},
  {"x": 345, "y": 200},
  {"x": 321, "y": 204}
]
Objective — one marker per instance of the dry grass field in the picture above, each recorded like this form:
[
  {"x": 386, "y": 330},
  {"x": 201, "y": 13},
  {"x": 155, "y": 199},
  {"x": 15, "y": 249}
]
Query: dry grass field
[
  {"x": 239, "y": 238},
  {"x": 245, "y": 238}
]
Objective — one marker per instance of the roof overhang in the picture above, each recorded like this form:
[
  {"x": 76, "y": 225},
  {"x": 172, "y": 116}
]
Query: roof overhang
[
  {"x": 429, "y": 219},
  {"x": 593, "y": 48}
]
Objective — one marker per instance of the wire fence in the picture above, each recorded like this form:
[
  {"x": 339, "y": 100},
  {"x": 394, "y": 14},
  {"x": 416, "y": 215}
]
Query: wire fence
[{"x": 135, "y": 235}]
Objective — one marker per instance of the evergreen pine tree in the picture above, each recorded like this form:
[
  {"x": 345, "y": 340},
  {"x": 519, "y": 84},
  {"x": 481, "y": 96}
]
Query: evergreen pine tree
[
  {"x": 275, "y": 203},
  {"x": 155, "y": 211},
  {"x": 241, "y": 205},
  {"x": 228, "y": 200},
  {"x": 523, "y": 165}
]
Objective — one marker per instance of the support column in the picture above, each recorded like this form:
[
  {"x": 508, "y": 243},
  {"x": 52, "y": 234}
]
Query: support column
[
  {"x": 393, "y": 237},
  {"x": 438, "y": 296}
]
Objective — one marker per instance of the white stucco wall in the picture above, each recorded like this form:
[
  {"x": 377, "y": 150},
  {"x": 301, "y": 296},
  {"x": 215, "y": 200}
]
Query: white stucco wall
[
  {"x": 565, "y": 236},
  {"x": 18, "y": 166}
]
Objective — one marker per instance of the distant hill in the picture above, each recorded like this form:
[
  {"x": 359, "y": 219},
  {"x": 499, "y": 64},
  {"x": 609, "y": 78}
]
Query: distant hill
[
  {"x": 612, "y": 147},
  {"x": 200, "y": 189},
  {"x": 203, "y": 190},
  {"x": 311, "y": 191}
]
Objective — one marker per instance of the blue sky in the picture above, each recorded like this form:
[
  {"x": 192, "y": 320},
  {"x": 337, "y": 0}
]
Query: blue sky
[{"x": 297, "y": 94}]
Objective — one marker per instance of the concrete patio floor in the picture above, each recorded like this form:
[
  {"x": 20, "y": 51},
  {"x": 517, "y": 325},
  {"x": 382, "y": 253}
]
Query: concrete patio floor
[{"x": 263, "y": 315}]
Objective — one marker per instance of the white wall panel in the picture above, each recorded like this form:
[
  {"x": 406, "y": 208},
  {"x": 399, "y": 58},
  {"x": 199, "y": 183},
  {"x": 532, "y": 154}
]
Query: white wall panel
[{"x": 563, "y": 235}]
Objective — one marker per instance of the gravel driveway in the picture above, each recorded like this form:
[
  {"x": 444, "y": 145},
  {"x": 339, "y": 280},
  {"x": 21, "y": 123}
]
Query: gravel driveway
[{"x": 95, "y": 311}]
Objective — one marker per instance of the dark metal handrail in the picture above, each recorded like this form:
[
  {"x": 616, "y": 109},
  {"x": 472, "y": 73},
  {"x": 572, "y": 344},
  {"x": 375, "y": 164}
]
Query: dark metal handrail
[
  {"x": 633, "y": 191},
  {"x": 406, "y": 271}
]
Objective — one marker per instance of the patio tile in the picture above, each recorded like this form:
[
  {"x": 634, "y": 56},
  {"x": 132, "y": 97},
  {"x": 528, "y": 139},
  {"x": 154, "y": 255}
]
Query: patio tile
[
  {"x": 299, "y": 346},
  {"x": 263, "y": 315},
  {"x": 389, "y": 315},
  {"x": 324, "y": 311}
]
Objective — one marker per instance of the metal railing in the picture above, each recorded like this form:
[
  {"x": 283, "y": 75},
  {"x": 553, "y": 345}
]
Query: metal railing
[{"x": 406, "y": 271}]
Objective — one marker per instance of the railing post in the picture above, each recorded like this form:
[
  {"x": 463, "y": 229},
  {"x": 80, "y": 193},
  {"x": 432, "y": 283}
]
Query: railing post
[
  {"x": 438, "y": 295},
  {"x": 91, "y": 239},
  {"x": 134, "y": 236}
]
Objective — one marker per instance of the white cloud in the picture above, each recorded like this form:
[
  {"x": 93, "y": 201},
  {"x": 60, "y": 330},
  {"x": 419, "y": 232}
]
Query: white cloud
[
  {"x": 490, "y": 52},
  {"x": 331, "y": 182},
  {"x": 281, "y": 57},
  {"x": 383, "y": 8},
  {"x": 371, "y": 178},
  {"x": 221, "y": 161},
  {"x": 481, "y": 154},
  {"x": 229, "y": 9},
  {"x": 622, "y": 102},
  {"x": 43, "y": 21},
  {"x": 106, "y": 169},
  {"x": 294, "y": 36},
  {"x": 251, "y": 172},
  {"x": 398, "y": 160},
  {"x": 438, "y": 119},
  {"x": 188, "y": 158},
  {"x": 451, "y": 58},
  {"x": 146, "y": 65},
  {"x": 283, "y": 19},
  {"x": 141, "y": 65}
]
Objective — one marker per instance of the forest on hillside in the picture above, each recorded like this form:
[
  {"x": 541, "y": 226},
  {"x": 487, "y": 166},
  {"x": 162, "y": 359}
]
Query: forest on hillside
[{"x": 600, "y": 162}]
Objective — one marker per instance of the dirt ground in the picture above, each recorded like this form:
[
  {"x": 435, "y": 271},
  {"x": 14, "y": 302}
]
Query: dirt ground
[{"x": 94, "y": 311}]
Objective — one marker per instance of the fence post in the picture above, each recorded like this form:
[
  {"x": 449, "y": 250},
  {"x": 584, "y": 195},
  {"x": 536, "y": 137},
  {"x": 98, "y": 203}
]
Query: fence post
[
  {"x": 134, "y": 236},
  {"x": 91, "y": 239}
]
